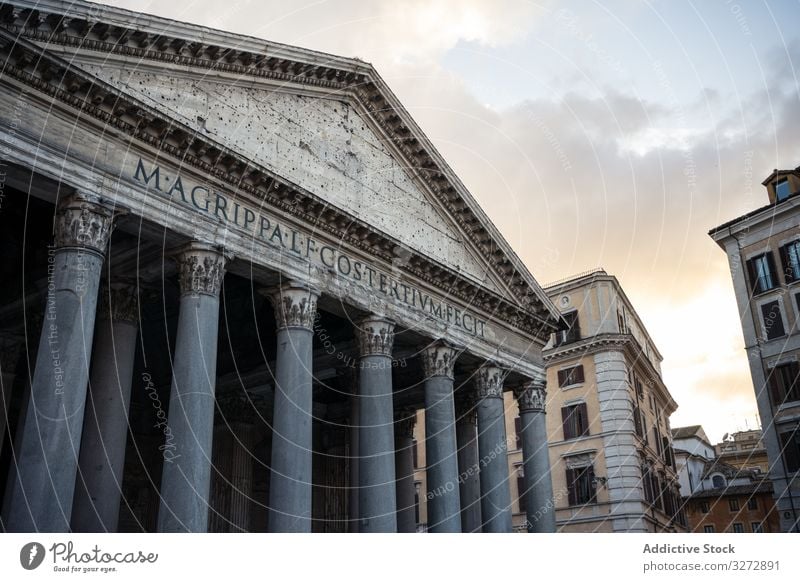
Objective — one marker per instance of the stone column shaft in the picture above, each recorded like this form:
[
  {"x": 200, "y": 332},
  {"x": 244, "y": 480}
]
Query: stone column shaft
[
  {"x": 493, "y": 450},
  {"x": 186, "y": 476},
  {"x": 105, "y": 427},
  {"x": 377, "y": 501},
  {"x": 404, "y": 470},
  {"x": 539, "y": 507},
  {"x": 290, "y": 487},
  {"x": 468, "y": 467},
  {"x": 41, "y": 496},
  {"x": 444, "y": 504}
]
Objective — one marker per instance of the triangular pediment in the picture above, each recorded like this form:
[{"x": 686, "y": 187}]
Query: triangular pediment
[
  {"x": 324, "y": 145},
  {"x": 283, "y": 118}
]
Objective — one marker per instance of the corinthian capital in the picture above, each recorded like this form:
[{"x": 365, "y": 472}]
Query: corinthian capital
[
  {"x": 531, "y": 396},
  {"x": 295, "y": 305},
  {"x": 83, "y": 222},
  {"x": 438, "y": 359},
  {"x": 375, "y": 336},
  {"x": 201, "y": 268},
  {"x": 489, "y": 382}
]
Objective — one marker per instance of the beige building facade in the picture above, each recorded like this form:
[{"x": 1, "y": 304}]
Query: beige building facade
[
  {"x": 608, "y": 409},
  {"x": 763, "y": 249}
]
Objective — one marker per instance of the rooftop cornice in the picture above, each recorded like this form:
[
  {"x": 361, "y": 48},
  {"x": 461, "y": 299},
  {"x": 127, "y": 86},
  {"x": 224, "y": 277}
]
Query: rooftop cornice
[
  {"x": 107, "y": 30},
  {"x": 54, "y": 77},
  {"x": 624, "y": 343}
]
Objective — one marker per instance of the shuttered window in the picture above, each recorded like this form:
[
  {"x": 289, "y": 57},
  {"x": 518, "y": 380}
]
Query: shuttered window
[
  {"x": 580, "y": 484},
  {"x": 784, "y": 383},
  {"x": 570, "y": 376},
  {"x": 518, "y": 431},
  {"x": 573, "y": 331},
  {"x": 761, "y": 270},
  {"x": 790, "y": 258},
  {"x": 575, "y": 421},
  {"x": 790, "y": 448}
]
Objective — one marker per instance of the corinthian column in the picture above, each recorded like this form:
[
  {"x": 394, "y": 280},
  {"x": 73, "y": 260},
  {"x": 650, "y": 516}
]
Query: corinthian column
[
  {"x": 290, "y": 482},
  {"x": 105, "y": 427},
  {"x": 41, "y": 496},
  {"x": 377, "y": 502},
  {"x": 444, "y": 500},
  {"x": 541, "y": 517},
  {"x": 186, "y": 477},
  {"x": 493, "y": 450}
]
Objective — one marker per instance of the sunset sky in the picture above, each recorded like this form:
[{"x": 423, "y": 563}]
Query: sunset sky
[{"x": 611, "y": 134}]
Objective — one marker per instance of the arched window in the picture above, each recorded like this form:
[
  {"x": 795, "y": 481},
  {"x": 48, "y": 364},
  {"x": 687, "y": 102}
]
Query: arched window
[{"x": 718, "y": 481}]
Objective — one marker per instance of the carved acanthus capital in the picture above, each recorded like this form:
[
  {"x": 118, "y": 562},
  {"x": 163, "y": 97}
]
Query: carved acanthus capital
[
  {"x": 489, "y": 382},
  {"x": 295, "y": 305},
  {"x": 201, "y": 268},
  {"x": 405, "y": 420},
  {"x": 438, "y": 359},
  {"x": 375, "y": 336},
  {"x": 83, "y": 222},
  {"x": 531, "y": 396},
  {"x": 118, "y": 302}
]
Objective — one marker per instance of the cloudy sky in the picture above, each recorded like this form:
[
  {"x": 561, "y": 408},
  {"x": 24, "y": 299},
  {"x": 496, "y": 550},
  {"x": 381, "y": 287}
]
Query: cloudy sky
[{"x": 611, "y": 134}]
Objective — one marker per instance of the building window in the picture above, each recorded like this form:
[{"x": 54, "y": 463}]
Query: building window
[
  {"x": 718, "y": 481},
  {"x": 518, "y": 432},
  {"x": 573, "y": 331},
  {"x": 790, "y": 447},
  {"x": 570, "y": 376},
  {"x": 757, "y": 527},
  {"x": 782, "y": 190},
  {"x": 738, "y": 528},
  {"x": 637, "y": 384},
  {"x": 733, "y": 504},
  {"x": 637, "y": 420},
  {"x": 708, "y": 529},
  {"x": 621, "y": 322},
  {"x": 414, "y": 453},
  {"x": 762, "y": 273},
  {"x": 772, "y": 319},
  {"x": 790, "y": 257},
  {"x": 783, "y": 383},
  {"x": 580, "y": 484},
  {"x": 575, "y": 421},
  {"x": 752, "y": 503},
  {"x": 705, "y": 506}
]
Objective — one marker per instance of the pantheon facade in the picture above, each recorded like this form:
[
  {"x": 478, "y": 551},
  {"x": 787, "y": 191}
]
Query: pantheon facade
[{"x": 233, "y": 271}]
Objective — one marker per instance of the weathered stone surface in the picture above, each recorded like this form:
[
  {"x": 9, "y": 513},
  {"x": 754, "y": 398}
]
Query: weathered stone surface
[{"x": 324, "y": 145}]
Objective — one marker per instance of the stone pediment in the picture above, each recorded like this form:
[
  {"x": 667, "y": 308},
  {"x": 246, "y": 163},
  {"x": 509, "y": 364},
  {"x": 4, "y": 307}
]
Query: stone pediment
[
  {"x": 316, "y": 124},
  {"x": 322, "y": 144}
]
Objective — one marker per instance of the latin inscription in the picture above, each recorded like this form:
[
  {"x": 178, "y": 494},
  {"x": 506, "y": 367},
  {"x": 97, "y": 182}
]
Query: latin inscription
[{"x": 268, "y": 229}]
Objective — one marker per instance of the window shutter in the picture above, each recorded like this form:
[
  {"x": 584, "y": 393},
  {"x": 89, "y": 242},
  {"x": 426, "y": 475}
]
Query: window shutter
[
  {"x": 773, "y": 273},
  {"x": 566, "y": 422},
  {"x": 589, "y": 476},
  {"x": 414, "y": 454},
  {"x": 572, "y": 486},
  {"x": 582, "y": 424},
  {"x": 791, "y": 451},
  {"x": 775, "y": 387},
  {"x": 788, "y": 272},
  {"x": 773, "y": 322},
  {"x": 577, "y": 375},
  {"x": 753, "y": 276},
  {"x": 521, "y": 493},
  {"x": 562, "y": 378}
]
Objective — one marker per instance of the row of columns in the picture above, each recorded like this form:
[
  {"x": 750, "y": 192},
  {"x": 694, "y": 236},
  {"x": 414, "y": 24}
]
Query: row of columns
[{"x": 61, "y": 444}]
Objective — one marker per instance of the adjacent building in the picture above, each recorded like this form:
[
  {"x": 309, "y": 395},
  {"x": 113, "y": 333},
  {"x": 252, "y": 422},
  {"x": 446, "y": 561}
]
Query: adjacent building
[
  {"x": 610, "y": 448},
  {"x": 763, "y": 248},
  {"x": 744, "y": 449}
]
